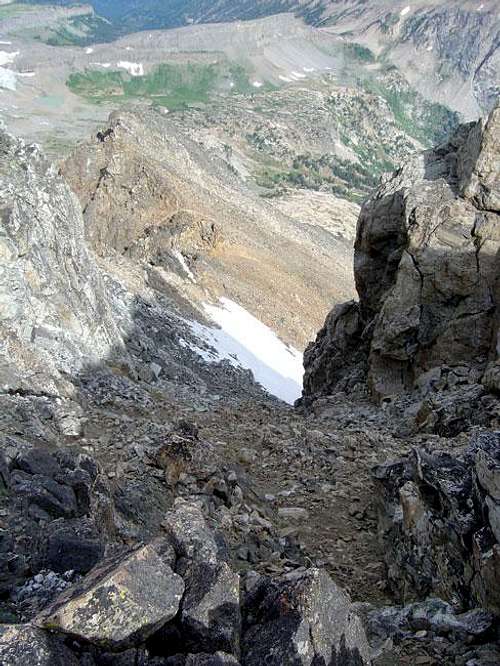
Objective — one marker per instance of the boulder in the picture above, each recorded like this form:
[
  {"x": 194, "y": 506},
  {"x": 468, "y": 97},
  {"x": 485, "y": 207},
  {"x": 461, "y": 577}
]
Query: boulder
[
  {"x": 24, "y": 645},
  {"x": 190, "y": 535},
  {"x": 210, "y": 618},
  {"x": 120, "y": 603},
  {"x": 427, "y": 276},
  {"x": 302, "y": 619},
  {"x": 67, "y": 551}
]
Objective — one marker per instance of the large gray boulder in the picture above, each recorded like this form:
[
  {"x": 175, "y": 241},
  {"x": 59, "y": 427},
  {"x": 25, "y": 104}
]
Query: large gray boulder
[
  {"x": 120, "y": 603},
  {"x": 302, "y": 619},
  {"x": 210, "y": 614},
  {"x": 427, "y": 275}
]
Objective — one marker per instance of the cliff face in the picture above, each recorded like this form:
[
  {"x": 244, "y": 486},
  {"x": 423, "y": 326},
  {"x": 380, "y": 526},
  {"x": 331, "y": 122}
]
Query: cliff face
[
  {"x": 55, "y": 314},
  {"x": 426, "y": 270}
]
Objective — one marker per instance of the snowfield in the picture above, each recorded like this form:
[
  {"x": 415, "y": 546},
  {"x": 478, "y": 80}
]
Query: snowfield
[
  {"x": 133, "y": 68},
  {"x": 248, "y": 343}
]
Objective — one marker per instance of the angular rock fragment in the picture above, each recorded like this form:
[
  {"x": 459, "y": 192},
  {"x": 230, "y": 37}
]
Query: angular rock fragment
[
  {"x": 210, "y": 616},
  {"x": 119, "y": 604},
  {"x": 24, "y": 645},
  {"x": 190, "y": 535},
  {"x": 302, "y": 619},
  {"x": 439, "y": 525}
]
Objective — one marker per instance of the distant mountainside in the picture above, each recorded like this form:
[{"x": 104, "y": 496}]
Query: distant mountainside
[{"x": 449, "y": 51}]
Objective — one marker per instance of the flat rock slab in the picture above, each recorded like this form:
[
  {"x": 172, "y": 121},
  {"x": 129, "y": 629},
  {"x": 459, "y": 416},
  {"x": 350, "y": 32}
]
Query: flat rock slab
[
  {"x": 119, "y": 604},
  {"x": 24, "y": 645}
]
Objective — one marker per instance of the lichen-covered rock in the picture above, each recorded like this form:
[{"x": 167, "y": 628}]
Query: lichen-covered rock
[
  {"x": 190, "y": 535},
  {"x": 302, "y": 619},
  {"x": 24, "y": 645},
  {"x": 120, "y": 603},
  {"x": 427, "y": 276}
]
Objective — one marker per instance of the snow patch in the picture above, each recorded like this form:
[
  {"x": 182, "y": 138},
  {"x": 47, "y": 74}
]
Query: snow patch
[
  {"x": 5, "y": 43},
  {"x": 405, "y": 11},
  {"x": 89, "y": 50},
  {"x": 430, "y": 47},
  {"x": 257, "y": 84},
  {"x": 185, "y": 267},
  {"x": 7, "y": 79},
  {"x": 308, "y": 69},
  {"x": 284, "y": 78},
  {"x": 106, "y": 65},
  {"x": 7, "y": 58},
  {"x": 248, "y": 343},
  {"x": 480, "y": 8},
  {"x": 298, "y": 75},
  {"x": 133, "y": 68}
]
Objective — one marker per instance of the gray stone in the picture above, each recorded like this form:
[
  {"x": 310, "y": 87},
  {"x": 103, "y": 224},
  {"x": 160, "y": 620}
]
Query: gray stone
[
  {"x": 210, "y": 618},
  {"x": 120, "y": 603},
  {"x": 426, "y": 275},
  {"x": 302, "y": 619},
  {"x": 24, "y": 645}
]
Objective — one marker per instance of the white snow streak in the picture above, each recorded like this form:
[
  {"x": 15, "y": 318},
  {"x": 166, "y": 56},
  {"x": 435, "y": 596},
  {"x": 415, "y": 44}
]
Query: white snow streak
[
  {"x": 184, "y": 265},
  {"x": 7, "y": 79},
  {"x": 405, "y": 11},
  {"x": 248, "y": 343},
  {"x": 133, "y": 68},
  {"x": 257, "y": 84}
]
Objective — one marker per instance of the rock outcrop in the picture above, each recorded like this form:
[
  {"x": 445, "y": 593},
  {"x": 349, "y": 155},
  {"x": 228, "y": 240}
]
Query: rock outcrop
[
  {"x": 54, "y": 315},
  {"x": 426, "y": 270},
  {"x": 439, "y": 524}
]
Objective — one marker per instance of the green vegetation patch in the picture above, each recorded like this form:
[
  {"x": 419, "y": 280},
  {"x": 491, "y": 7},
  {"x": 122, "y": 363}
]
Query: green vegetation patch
[
  {"x": 172, "y": 85},
  {"x": 326, "y": 173},
  {"x": 428, "y": 122},
  {"x": 358, "y": 53},
  {"x": 79, "y": 31}
]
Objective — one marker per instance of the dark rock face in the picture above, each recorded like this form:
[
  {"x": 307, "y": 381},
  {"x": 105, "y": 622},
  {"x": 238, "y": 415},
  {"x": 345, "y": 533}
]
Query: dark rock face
[
  {"x": 302, "y": 619},
  {"x": 58, "y": 498},
  {"x": 427, "y": 276},
  {"x": 439, "y": 524}
]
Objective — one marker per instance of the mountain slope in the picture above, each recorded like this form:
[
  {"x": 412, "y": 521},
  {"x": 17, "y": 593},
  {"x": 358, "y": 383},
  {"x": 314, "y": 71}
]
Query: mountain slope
[{"x": 448, "y": 50}]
